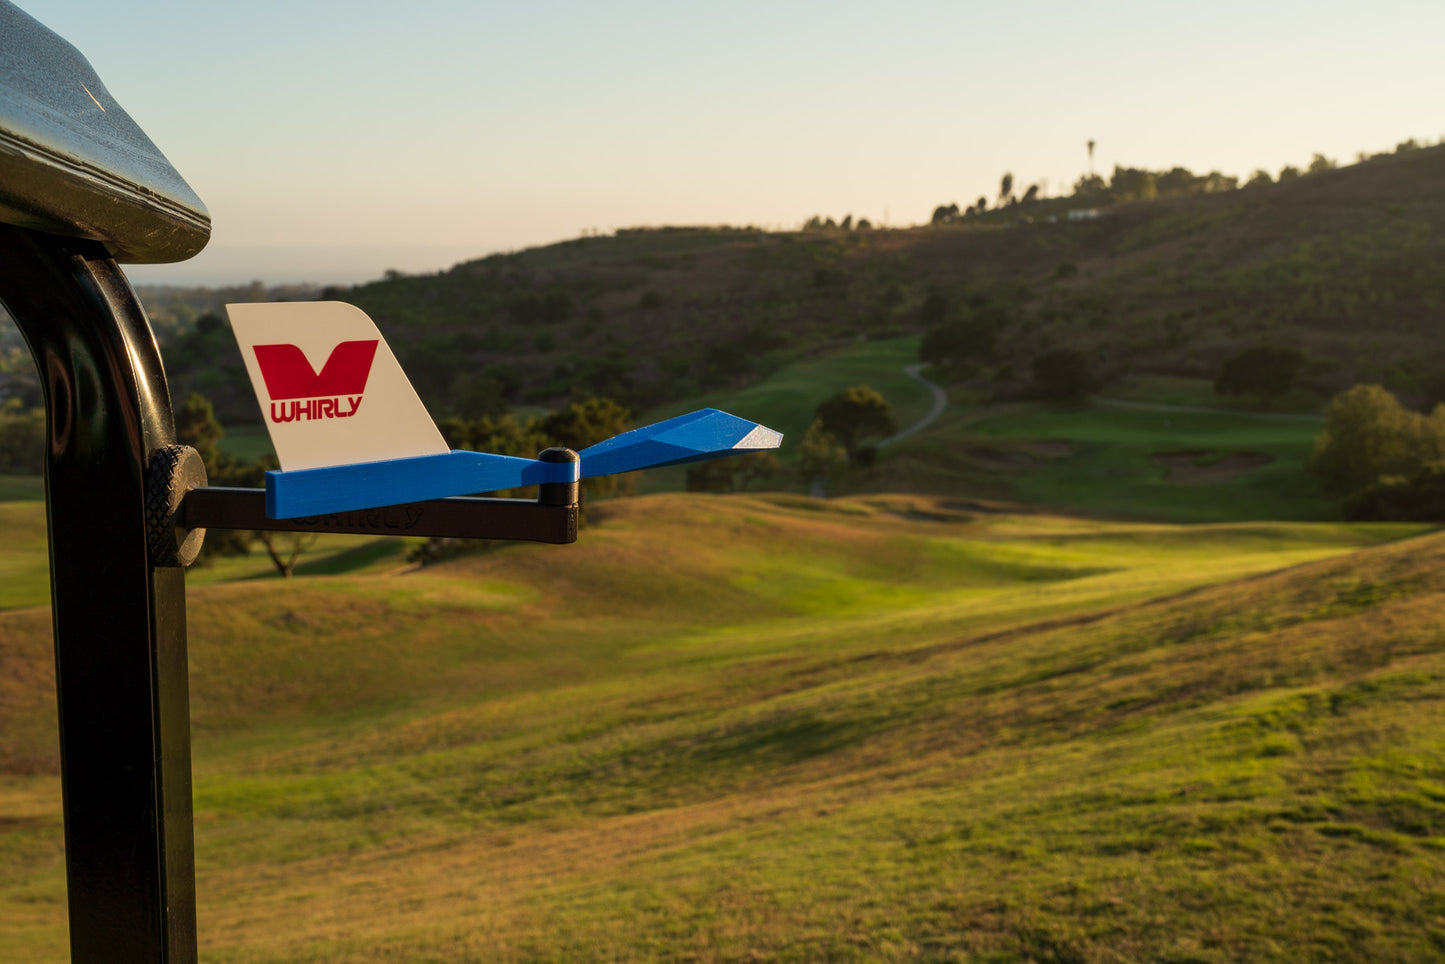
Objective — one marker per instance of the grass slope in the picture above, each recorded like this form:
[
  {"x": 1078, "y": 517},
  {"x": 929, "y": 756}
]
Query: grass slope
[
  {"x": 736, "y": 728},
  {"x": 25, "y": 559}
]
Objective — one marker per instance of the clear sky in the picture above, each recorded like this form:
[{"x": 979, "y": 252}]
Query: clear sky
[{"x": 332, "y": 140}]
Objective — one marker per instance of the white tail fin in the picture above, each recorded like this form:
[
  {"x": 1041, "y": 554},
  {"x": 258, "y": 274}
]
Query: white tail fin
[{"x": 331, "y": 391}]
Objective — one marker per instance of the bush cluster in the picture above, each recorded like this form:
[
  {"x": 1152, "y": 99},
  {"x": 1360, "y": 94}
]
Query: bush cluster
[{"x": 1388, "y": 461}]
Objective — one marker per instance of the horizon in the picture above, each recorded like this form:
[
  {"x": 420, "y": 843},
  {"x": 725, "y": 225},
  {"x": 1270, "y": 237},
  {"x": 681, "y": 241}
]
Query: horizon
[
  {"x": 420, "y": 137},
  {"x": 353, "y": 265}
]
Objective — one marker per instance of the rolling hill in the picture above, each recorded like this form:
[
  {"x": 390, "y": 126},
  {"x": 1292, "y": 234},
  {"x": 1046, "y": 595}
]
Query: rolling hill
[
  {"x": 1339, "y": 263},
  {"x": 727, "y": 728}
]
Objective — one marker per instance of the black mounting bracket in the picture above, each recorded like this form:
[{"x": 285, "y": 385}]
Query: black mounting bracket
[
  {"x": 216, "y": 507},
  {"x": 180, "y": 507}
]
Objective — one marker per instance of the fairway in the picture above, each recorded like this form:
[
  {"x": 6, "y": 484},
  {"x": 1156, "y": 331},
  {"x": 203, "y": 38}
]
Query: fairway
[
  {"x": 733, "y": 728},
  {"x": 786, "y": 400},
  {"x": 1103, "y": 460}
]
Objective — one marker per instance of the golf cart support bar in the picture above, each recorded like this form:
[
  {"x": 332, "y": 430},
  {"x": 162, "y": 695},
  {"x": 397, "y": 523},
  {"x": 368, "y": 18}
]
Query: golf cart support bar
[{"x": 217, "y": 507}]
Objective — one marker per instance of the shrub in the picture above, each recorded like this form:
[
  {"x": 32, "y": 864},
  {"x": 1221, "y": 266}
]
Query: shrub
[
  {"x": 22, "y": 438},
  {"x": 1063, "y": 374},
  {"x": 970, "y": 340},
  {"x": 854, "y": 415},
  {"x": 1418, "y": 497},
  {"x": 1265, "y": 370},
  {"x": 1369, "y": 434}
]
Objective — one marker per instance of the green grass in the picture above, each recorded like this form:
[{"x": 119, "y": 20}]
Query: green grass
[
  {"x": 247, "y": 444},
  {"x": 21, "y": 488},
  {"x": 1096, "y": 459},
  {"x": 1200, "y": 393},
  {"x": 787, "y": 399},
  {"x": 776, "y": 728},
  {"x": 25, "y": 558}
]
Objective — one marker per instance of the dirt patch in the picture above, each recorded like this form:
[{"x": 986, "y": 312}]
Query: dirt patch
[
  {"x": 1012, "y": 457},
  {"x": 1052, "y": 448},
  {"x": 1000, "y": 460},
  {"x": 1201, "y": 467}
]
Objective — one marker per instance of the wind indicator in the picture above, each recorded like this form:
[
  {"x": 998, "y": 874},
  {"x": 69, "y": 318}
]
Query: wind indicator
[{"x": 355, "y": 435}]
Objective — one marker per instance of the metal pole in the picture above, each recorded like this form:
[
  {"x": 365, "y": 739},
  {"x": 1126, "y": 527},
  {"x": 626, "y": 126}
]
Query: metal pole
[{"x": 120, "y": 621}]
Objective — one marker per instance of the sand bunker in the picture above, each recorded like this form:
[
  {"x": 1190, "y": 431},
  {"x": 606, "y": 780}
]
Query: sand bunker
[
  {"x": 1199, "y": 466},
  {"x": 1017, "y": 455}
]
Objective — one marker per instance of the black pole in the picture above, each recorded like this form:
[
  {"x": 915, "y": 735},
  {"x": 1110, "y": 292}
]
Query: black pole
[{"x": 120, "y": 620}]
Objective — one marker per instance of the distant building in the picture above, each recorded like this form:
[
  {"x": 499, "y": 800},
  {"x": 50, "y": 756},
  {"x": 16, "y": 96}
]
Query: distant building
[{"x": 1083, "y": 214}]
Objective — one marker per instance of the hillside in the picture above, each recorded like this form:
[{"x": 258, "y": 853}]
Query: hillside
[
  {"x": 738, "y": 728},
  {"x": 1339, "y": 263}
]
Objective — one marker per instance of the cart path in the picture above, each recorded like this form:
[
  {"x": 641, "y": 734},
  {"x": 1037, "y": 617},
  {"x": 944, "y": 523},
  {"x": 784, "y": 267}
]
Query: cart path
[
  {"x": 819, "y": 487},
  {"x": 940, "y": 401}
]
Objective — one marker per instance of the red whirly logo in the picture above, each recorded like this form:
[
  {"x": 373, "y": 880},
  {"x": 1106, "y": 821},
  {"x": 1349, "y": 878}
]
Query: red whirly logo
[{"x": 298, "y": 393}]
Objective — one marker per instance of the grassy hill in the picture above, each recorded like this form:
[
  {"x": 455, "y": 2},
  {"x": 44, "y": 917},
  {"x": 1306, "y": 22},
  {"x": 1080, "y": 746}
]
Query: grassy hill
[
  {"x": 875, "y": 727},
  {"x": 1339, "y": 263},
  {"x": 737, "y": 728}
]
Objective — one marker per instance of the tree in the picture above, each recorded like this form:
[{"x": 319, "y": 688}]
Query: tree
[
  {"x": 714, "y": 475},
  {"x": 1005, "y": 188},
  {"x": 945, "y": 213},
  {"x": 197, "y": 426},
  {"x": 1133, "y": 184},
  {"x": 755, "y": 468},
  {"x": 1176, "y": 181},
  {"x": 209, "y": 323},
  {"x": 501, "y": 434},
  {"x": 284, "y": 549},
  {"x": 1264, "y": 370},
  {"x": 1418, "y": 497},
  {"x": 549, "y": 308},
  {"x": 1214, "y": 182},
  {"x": 585, "y": 423},
  {"x": 820, "y": 452},
  {"x": 1258, "y": 178},
  {"x": 855, "y": 415},
  {"x": 1369, "y": 434},
  {"x": 1063, "y": 373},
  {"x": 22, "y": 438},
  {"x": 733, "y": 474},
  {"x": 1288, "y": 173},
  {"x": 935, "y": 308},
  {"x": 1031, "y": 195},
  {"x": 1321, "y": 163},
  {"x": 967, "y": 340}
]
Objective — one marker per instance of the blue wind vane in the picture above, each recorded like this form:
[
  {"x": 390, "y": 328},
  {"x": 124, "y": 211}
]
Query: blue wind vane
[{"x": 356, "y": 435}]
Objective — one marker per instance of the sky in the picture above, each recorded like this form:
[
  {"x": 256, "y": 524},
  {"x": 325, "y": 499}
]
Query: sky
[{"x": 332, "y": 141}]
